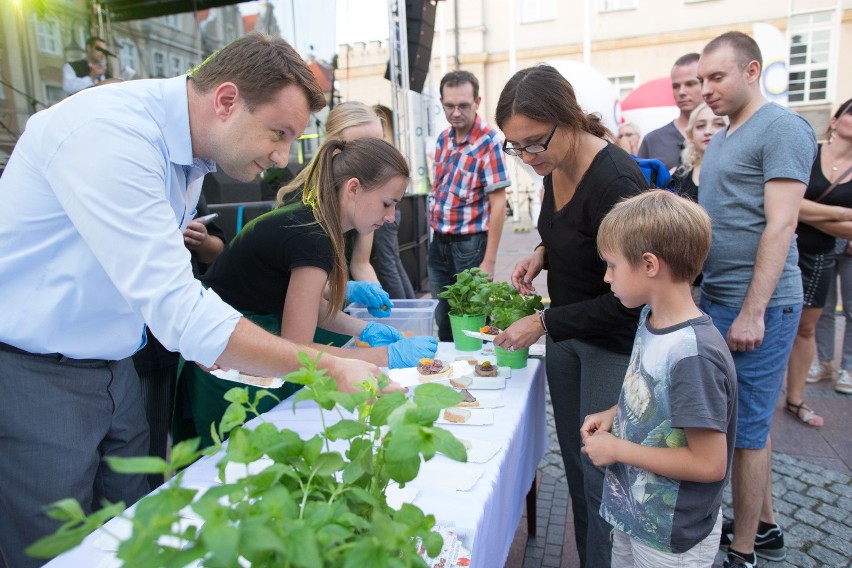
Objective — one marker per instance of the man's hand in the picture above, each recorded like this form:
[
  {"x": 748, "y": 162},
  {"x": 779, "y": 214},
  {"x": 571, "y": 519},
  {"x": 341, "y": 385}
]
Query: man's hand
[
  {"x": 194, "y": 235},
  {"x": 746, "y": 333},
  {"x": 488, "y": 266},
  {"x": 348, "y": 373}
]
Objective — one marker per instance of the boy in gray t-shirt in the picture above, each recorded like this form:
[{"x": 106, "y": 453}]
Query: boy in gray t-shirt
[{"x": 669, "y": 452}]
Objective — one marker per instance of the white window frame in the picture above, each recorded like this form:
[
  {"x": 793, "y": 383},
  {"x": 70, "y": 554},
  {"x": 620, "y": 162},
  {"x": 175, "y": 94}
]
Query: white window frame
[
  {"x": 623, "y": 83},
  {"x": 177, "y": 65},
  {"x": 156, "y": 71},
  {"x": 172, "y": 21},
  {"x": 127, "y": 54},
  {"x": 534, "y": 11},
  {"x": 616, "y": 5},
  {"x": 813, "y": 71},
  {"x": 48, "y": 38},
  {"x": 58, "y": 93}
]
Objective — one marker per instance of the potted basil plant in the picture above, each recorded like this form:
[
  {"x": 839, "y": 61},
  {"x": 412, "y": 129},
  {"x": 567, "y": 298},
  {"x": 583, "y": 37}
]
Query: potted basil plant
[
  {"x": 469, "y": 298},
  {"x": 507, "y": 307}
]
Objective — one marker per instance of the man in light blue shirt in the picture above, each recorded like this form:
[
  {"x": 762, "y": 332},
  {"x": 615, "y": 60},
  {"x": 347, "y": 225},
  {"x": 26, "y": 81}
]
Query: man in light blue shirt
[{"x": 94, "y": 201}]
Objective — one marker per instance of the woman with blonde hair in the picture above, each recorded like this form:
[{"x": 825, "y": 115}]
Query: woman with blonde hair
[
  {"x": 276, "y": 269},
  {"x": 349, "y": 121},
  {"x": 629, "y": 137},
  {"x": 700, "y": 128}
]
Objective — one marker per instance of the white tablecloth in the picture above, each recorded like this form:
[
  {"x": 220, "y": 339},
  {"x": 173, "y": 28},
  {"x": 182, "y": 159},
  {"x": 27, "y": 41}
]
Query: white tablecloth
[{"x": 485, "y": 516}]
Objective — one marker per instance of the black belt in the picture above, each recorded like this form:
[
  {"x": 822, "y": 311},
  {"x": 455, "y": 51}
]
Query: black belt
[
  {"x": 446, "y": 238},
  {"x": 55, "y": 356}
]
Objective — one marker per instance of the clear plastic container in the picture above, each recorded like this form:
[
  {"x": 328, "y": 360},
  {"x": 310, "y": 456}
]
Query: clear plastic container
[{"x": 410, "y": 317}]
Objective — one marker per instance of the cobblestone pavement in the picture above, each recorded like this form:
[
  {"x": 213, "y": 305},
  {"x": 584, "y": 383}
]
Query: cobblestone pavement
[
  {"x": 813, "y": 505},
  {"x": 811, "y": 471}
]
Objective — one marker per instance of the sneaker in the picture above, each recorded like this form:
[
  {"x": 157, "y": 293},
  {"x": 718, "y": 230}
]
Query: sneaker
[
  {"x": 844, "y": 382},
  {"x": 736, "y": 559},
  {"x": 819, "y": 371},
  {"x": 768, "y": 542}
]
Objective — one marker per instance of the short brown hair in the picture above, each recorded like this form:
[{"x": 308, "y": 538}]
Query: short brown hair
[
  {"x": 674, "y": 228},
  {"x": 744, "y": 46},
  {"x": 260, "y": 66},
  {"x": 456, "y": 78},
  {"x": 541, "y": 93}
]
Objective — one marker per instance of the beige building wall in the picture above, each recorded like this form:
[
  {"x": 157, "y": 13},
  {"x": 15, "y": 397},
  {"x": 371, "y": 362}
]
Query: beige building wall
[{"x": 642, "y": 42}]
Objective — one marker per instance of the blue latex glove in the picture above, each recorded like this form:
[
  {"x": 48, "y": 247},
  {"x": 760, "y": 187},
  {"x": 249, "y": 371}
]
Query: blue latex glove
[
  {"x": 379, "y": 334},
  {"x": 371, "y": 295},
  {"x": 408, "y": 352}
]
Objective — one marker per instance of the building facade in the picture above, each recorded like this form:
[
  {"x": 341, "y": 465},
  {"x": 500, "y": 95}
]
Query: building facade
[{"x": 628, "y": 41}]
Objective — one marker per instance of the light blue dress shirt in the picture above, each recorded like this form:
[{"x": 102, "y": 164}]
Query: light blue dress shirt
[{"x": 94, "y": 201}]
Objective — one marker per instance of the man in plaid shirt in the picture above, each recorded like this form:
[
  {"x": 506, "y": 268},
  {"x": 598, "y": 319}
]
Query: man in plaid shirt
[{"x": 469, "y": 184}]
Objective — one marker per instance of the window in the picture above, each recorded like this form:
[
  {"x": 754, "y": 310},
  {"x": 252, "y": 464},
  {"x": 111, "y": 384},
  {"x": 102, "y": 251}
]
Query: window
[
  {"x": 177, "y": 66},
  {"x": 615, "y": 5},
  {"x": 159, "y": 69},
  {"x": 47, "y": 36},
  {"x": 537, "y": 11},
  {"x": 623, "y": 84},
  {"x": 53, "y": 94},
  {"x": 172, "y": 21},
  {"x": 810, "y": 55},
  {"x": 127, "y": 54}
]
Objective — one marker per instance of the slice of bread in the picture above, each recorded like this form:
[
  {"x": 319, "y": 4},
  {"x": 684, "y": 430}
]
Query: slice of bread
[
  {"x": 456, "y": 415},
  {"x": 256, "y": 381},
  {"x": 461, "y": 382}
]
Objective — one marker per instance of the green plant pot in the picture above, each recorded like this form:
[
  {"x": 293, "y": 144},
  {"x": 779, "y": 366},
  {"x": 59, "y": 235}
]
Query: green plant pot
[
  {"x": 514, "y": 360},
  {"x": 470, "y": 323}
]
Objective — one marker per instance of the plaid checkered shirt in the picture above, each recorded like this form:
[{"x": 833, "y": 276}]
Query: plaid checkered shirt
[{"x": 462, "y": 177}]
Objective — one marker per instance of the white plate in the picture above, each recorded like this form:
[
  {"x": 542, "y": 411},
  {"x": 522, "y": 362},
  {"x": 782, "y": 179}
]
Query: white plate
[
  {"x": 479, "y": 335},
  {"x": 448, "y": 474},
  {"x": 486, "y": 400},
  {"x": 409, "y": 377},
  {"x": 479, "y": 451},
  {"x": 478, "y": 417},
  {"x": 251, "y": 380},
  {"x": 397, "y": 495}
]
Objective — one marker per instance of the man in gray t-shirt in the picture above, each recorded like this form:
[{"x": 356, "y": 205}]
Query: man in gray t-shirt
[
  {"x": 753, "y": 178},
  {"x": 666, "y": 143}
]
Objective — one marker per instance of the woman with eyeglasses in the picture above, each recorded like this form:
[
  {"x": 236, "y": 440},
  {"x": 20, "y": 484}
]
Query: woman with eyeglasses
[{"x": 589, "y": 332}]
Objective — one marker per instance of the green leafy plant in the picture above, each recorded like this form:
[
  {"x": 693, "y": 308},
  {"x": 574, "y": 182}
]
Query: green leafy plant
[
  {"x": 310, "y": 507},
  {"x": 469, "y": 295},
  {"x": 508, "y": 305}
]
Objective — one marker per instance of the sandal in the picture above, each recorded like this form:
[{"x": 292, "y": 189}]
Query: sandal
[{"x": 808, "y": 418}]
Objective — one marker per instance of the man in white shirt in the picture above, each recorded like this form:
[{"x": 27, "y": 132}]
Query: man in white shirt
[
  {"x": 88, "y": 72},
  {"x": 92, "y": 250}
]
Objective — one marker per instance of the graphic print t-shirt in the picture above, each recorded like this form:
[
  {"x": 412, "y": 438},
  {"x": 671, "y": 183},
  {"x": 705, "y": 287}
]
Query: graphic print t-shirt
[{"x": 679, "y": 377}]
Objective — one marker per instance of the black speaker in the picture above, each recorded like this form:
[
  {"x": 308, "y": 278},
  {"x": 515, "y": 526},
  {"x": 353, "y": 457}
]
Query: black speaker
[{"x": 420, "y": 28}]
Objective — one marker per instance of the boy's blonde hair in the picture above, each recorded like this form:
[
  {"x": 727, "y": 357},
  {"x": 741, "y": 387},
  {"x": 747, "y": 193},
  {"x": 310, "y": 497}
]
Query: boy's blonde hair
[{"x": 674, "y": 228}]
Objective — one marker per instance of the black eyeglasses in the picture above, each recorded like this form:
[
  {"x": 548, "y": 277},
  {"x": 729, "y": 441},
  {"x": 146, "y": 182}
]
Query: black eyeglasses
[
  {"x": 464, "y": 107},
  {"x": 529, "y": 148}
]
